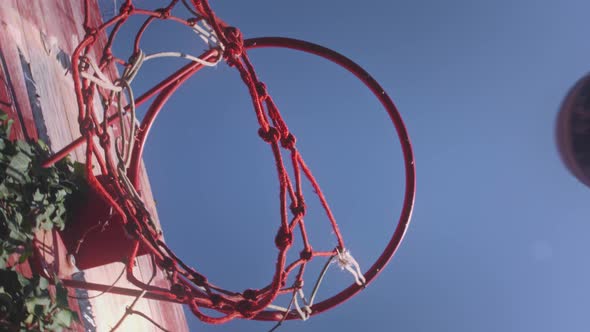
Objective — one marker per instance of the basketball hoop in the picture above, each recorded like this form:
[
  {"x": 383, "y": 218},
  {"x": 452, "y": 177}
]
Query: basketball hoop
[{"x": 114, "y": 142}]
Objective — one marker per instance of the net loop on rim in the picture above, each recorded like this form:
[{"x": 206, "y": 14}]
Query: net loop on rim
[
  {"x": 122, "y": 137},
  {"x": 347, "y": 262},
  {"x": 234, "y": 43},
  {"x": 126, "y": 9}
]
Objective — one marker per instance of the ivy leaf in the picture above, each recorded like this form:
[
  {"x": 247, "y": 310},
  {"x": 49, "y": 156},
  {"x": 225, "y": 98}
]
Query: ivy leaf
[
  {"x": 16, "y": 234},
  {"x": 79, "y": 170},
  {"x": 33, "y": 303},
  {"x": 24, "y": 147},
  {"x": 18, "y": 167},
  {"x": 32, "y": 197},
  {"x": 45, "y": 217},
  {"x": 40, "y": 311},
  {"x": 38, "y": 196},
  {"x": 23, "y": 281},
  {"x": 29, "y": 320},
  {"x": 61, "y": 295},
  {"x": 60, "y": 194},
  {"x": 4, "y": 192},
  {"x": 18, "y": 218},
  {"x": 7, "y": 125},
  {"x": 43, "y": 283},
  {"x": 42, "y": 145},
  {"x": 26, "y": 254},
  {"x": 65, "y": 317}
]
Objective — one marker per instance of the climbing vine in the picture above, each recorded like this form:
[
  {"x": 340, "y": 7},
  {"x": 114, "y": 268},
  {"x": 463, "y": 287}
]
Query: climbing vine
[{"x": 32, "y": 199}]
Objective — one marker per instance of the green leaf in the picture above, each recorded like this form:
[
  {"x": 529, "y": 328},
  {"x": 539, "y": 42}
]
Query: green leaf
[
  {"x": 43, "y": 283},
  {"x": 79, "y": 170},
  {"x": 60, "y": 194},
  {"x": 17, "y": 235},
  {"x": 18, "y": 167},
  {"x": 42, "y": 145},
  {"x": 33, "y": 302},
  {"x": 25, "y": 255},
  {"x": 22, "y": 280},
  {"x": 45, "y": 216},
  {"x": 64, "y": 317},
  {"x": 39, "y": 311},
  {"x": 38, "y": 196},
  {"x": 8, "y": 126},
  {"x": 24, "y": 147},
  {"x": 29, "y": 320},
  {"x": 61, "y": 295},
  {"x": 18, "y": 218},
  {"x": 4, "y": 191},
  {"x": 33, "y": 197}
]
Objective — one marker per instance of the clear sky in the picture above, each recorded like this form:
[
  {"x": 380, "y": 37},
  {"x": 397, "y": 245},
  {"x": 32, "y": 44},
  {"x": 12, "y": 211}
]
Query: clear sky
[{"x": 500, "y": 236}]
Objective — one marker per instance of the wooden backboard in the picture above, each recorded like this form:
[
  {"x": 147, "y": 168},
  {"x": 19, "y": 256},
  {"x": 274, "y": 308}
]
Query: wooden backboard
[{"x": 36, "y": 41}]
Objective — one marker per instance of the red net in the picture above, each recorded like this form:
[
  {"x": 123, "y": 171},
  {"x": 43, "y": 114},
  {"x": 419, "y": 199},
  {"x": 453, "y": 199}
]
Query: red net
[{"x": 117, "y": 151}]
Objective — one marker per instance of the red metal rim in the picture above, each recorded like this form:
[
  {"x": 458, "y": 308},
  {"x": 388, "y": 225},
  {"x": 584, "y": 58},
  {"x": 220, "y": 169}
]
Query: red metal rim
[{"x": 382, "y": 96}]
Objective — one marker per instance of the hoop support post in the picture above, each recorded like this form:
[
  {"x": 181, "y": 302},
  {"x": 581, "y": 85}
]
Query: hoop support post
[{"x": 71, "y": 283}]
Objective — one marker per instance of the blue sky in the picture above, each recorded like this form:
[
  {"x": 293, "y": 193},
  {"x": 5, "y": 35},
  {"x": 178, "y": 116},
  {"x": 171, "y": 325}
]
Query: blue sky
[{"x": 499, "y": 240}]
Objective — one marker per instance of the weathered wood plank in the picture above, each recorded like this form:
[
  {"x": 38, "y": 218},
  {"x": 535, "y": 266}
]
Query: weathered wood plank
[
  {"x": 38, "y": 34},
  {"x": 12, "y": 31}
]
